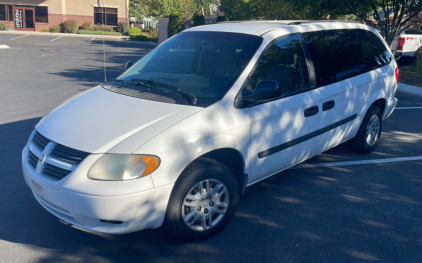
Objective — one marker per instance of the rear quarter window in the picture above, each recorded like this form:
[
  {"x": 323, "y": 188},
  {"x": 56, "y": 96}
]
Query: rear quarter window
[{"x": 371, "y": 50}]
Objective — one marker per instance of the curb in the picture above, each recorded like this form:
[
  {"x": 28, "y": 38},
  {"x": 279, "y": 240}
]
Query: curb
[
  {"x": 122, "y": 38},
  {"x": 33, "y": 33},
  {"x": 410, "y": 89}
]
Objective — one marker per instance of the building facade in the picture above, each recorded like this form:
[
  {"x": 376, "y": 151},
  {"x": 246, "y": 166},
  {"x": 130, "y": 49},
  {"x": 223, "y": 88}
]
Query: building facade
[{"x": 35, "y": 15}]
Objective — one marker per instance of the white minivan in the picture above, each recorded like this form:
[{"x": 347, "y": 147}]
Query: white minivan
[{"x": 177, "y": 138}]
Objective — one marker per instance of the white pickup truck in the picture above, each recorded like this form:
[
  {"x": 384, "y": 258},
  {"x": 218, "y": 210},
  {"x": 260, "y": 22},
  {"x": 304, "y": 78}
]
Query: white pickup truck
[{"x": 408, "y": 44}]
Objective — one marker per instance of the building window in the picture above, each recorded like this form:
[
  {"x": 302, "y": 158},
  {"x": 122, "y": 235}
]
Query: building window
[
  {"x": 105, "y": 16},
  {"x": 41, "y": 14},
  {"x": 3, "y": 12},
  {"x": 6, "y": 13}
]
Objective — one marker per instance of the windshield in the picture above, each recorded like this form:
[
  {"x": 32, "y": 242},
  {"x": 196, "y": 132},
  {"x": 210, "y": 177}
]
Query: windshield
[{"x": 200, "y": 64}]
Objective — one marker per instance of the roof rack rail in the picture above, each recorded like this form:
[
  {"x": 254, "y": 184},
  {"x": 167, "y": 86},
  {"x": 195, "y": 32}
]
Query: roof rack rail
[
  {"x": 257, "y": 21},
  {"x": 231, "y": 22},
  {"x": 321, "y": 21}
]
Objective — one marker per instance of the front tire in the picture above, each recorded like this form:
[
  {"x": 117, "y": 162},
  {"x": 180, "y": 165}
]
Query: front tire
[
  {"x": 203, "y": 201},
  {"x": 369, "y": 132}
]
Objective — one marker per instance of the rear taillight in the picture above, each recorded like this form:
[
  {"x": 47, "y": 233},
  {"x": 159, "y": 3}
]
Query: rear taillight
[
  {"x": 397, "y": 74},
  {"x": 400, "y": 43}
]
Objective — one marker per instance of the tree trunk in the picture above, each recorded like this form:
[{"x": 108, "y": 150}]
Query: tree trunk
[{"x": 391, "y": 37}]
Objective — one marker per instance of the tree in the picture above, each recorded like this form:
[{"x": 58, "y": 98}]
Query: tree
[
  {"x": 175, "y": 25},
  {"x": 198, "y": 20},
  {"x": 160, "y": 8},
  {"x": 388, "y": 16},
  {"x": 262, "y": 10}
]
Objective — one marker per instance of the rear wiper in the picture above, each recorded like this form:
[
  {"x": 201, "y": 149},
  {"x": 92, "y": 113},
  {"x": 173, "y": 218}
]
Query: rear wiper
[{"x": 190, "y": 97}]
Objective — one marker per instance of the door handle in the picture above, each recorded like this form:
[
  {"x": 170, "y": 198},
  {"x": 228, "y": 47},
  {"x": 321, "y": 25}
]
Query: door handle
[
  {"x": 328, "y": 105},
  {"x": 311, "y": 111}
]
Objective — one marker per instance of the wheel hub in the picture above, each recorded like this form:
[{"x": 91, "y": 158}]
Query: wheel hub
[
  {"x": 205, "y": 205},
  {"x": 372, "y": 130}
]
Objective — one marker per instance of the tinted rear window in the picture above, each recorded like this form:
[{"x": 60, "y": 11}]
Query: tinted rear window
[
  {"x": 371, "y": 51},
  {"x": 334, "y": 55}
]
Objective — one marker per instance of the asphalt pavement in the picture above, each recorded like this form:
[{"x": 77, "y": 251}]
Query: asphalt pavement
[{"x": 336, "y": 207}]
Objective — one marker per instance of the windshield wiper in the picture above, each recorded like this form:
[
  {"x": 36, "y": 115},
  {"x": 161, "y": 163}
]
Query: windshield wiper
[
  {"x": 139, "y": 83},
  {"x": 190, "y": 97}
]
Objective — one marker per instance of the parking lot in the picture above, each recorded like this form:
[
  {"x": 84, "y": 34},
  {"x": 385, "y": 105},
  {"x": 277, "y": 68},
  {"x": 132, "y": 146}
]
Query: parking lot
[{"x": 336, "y": 207}]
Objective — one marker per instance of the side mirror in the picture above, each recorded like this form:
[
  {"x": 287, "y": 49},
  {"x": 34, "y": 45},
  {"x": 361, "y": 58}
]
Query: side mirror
[
  {"x": 128, "y": 65},
  {"x": 265, "y": 90}
]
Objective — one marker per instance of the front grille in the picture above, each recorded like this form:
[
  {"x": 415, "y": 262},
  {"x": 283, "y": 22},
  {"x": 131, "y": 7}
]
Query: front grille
[
  {"x": 54, "y": 172},
  {"x": 67, "y": 154},
  {"x": 57, "y": 160},
  {"x": 32, "y": 160},
  {"x": 40, "y": 141}
]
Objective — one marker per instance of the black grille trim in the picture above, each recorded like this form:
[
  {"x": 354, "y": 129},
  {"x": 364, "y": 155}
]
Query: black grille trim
[
  {"x": 40, "y": 140},
  {"x": 67, "y": 154},
  {"x": 32, "y": 160},
  {"x": 54, "y": 171}
]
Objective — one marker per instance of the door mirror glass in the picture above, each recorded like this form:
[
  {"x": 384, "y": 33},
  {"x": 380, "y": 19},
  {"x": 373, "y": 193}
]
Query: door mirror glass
[
  {"x": 128, "y": 65},
  {"x": 265, "y": 90}
]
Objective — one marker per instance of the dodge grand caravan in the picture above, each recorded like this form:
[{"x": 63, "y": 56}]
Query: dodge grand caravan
[{"x": 177, "y": 138}]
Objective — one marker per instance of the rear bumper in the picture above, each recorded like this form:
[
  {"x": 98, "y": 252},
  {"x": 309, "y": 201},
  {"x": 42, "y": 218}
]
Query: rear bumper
[
  {"x": 105, "y": 214},
  {"x": 389, "y": 107},
  {"x": 400, "y": 53}
]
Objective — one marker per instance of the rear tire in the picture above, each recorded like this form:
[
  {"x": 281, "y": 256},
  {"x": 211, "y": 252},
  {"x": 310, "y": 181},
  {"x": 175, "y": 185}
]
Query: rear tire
[
  {"x": 369, "y": 132},
  {"x": 203, "y": 201}
]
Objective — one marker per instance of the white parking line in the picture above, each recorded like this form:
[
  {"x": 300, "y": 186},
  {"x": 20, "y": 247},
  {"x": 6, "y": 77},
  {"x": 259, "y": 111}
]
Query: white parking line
[
  {"x": 408, "y": 108},
  {"x": 91, "y": 40},
  {"x": 56, "y": 38},
  {"x": 334, "y": 164},
  {"x": 19, "y": 37}
]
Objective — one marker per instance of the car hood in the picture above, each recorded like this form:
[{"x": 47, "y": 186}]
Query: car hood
[{"x": 100, "y": 121}]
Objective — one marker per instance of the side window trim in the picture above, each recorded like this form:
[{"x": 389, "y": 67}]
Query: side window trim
[{"x": 238, "y": 102}]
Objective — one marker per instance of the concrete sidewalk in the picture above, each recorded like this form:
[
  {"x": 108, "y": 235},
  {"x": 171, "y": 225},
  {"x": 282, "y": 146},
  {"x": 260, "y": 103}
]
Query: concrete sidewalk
[
  {"x": 410, "y": 89},
  {"x": 62, "y": 35}
]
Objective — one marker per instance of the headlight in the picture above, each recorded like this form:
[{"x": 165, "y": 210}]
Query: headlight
[{"x": 118, "y": 167}]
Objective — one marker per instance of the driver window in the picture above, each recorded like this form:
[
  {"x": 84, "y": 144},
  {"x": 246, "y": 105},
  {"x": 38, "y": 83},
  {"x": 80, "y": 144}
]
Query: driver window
[{"x": 284, "y": 62}]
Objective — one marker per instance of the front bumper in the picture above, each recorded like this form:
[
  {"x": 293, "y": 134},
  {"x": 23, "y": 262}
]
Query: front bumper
[
  {"x": 117, "y": 214},
  {"x": 389, "y": 107}
]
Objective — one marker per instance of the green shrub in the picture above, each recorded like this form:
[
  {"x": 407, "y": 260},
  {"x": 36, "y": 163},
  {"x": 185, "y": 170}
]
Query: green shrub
[
  {"x": 102, "y": 28},
  {"x": 152, "y": 37},
  {"x": 147, "y": 30},
  {"x": 55, "y": 29},
  {"x": 87, "y": 26},
  {"x": 87, "y": 32},
  {"x": 122, "y": 27},
  {"x": 198, "y": 20},
  {"x": 221, "y": 18},
  {"x": 44, "y": 30},
  {"x": 137, "y": 37},
  {"x": 134, "y": 30},
  {"x": 417, "y": 66},
  {"x": 97, "y": 28},
  {"x": 3, "y": 26},
  {"x": 70, "y": 26},
  {"x": 175, "y": 25}
]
